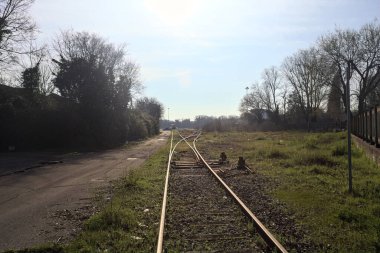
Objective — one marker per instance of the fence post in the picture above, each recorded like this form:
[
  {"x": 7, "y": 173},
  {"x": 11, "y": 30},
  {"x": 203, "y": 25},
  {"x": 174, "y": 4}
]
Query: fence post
[
  {"x": 366, "y": 126},
  {"x": 360, "y": 125},
  {"x": 369, "y": 125},
  {"x": 371, "y": 141},
  {"x": 376, "y": 127},
  {"x": 363, "y": 125}
]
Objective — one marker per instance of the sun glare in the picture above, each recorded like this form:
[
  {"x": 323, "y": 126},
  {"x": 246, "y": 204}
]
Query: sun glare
[{"x": 175, "y": 13}]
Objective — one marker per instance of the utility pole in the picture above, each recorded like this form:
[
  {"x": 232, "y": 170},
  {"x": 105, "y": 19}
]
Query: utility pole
[
  {"x": 349, "y": 126},
  {"x": 168, "y": 114}
]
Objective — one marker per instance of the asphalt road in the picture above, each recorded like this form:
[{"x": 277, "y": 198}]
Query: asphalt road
[{"x": 39, "y": 205}]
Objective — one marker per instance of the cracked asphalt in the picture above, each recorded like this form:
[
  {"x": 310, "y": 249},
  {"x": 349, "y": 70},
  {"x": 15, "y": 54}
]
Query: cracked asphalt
[{"x": 31, "y": 199}]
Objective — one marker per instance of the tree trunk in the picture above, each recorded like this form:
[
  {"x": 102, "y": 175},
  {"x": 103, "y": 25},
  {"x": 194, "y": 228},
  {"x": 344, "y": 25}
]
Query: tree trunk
[{"x": 361, "y": 104}]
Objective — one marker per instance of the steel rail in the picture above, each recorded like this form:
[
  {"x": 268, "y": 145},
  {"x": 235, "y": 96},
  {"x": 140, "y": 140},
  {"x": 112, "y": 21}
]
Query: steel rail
[
  {"x": 262, "y": 230},
  {"x": 163, "y": 210},
  {"x": 160, "y": 239},
  {"x": 189, "y": 143}
]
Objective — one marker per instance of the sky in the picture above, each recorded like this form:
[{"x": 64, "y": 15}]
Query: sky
[{"x": 198, "y": 56}]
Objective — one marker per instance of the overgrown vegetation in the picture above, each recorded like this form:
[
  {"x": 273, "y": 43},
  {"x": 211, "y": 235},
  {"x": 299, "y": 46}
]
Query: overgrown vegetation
[{"x": 310, "y": 175}]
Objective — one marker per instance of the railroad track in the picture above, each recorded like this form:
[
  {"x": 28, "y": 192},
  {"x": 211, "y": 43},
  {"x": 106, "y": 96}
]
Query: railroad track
[{"x": 200, "y": 213}]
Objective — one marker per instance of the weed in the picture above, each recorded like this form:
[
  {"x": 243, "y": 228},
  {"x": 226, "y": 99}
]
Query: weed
[
  {"x": 250, "y": 227},
  {"x": 276, "y": 154},
  {"x": 376, "y": 211},
  {"x": 316, "y": 171},
  {"x": 130, "y": 182},
  {"x": 339, "y": 150},
  {"x": 368, "y": 189},
  {"x": 41, "y": 249},
  {"x": 112, "y": 219},
  {"x": 349, "y": 216},
  {"x": 311, "y": 144},
  {"x": 317, "y": 159}
]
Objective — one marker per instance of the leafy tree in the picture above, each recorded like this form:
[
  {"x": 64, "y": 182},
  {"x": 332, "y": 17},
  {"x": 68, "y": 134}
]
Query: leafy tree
[
  {"x": 95, "y": 75},
  {"x": 31, "y": 78},
  {"x": 153, "y": 108},
  {"x": 93, "y": 71}
]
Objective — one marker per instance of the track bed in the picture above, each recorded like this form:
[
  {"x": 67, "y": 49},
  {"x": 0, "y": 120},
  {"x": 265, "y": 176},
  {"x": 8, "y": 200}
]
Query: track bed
[{"x": 202, "y": 217}]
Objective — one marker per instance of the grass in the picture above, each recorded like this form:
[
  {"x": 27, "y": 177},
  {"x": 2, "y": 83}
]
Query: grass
[
  {"x": 130, "y": 222},
  {"x": 310, "y": 171},
  {"x": 311, "y": 175}
]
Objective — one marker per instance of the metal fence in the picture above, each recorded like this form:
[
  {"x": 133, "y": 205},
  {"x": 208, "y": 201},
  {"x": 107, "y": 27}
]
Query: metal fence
[{"x": 366, "y": 125}]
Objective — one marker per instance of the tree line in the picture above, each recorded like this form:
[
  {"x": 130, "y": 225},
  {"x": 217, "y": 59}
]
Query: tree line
[
  {"x": 309, "y": 88},
  {"x": 80, "y": 91}
]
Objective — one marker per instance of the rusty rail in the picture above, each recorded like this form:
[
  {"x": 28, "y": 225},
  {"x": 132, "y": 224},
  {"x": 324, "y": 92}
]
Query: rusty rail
[
  {"x": 261, "y": 229},
  {"x": 164, "y": 200},
  {"x": 160, "y": 239}
]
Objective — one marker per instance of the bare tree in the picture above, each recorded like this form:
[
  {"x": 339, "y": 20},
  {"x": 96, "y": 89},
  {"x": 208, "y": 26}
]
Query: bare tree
[
  {"x": 92, "y": 48},
  {"x": 16, "y": 29},
  {"x": 310, "y": 77},
  {"x": 272, "y": 89},
  {"x": 272, "y": 86},
  {"x": 362, "y": 49},
  {"x": 253, "y": 104},
  {"x": 368, "y": 65},
  {"x": 284, "y": 94},
  {"x": 39, "y": 57},
  {"x": 264, "y": 97}
]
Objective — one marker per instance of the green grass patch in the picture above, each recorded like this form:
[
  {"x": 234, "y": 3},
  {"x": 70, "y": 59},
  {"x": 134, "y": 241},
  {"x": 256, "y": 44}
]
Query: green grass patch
[
  {"x": 311, "y": 174},
  {"x": 41, "y": 249},
  {"x": 129, "y": 223}
]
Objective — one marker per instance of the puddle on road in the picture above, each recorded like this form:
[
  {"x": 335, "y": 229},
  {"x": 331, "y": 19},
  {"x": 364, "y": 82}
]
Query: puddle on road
[
  {"x": 97, "y": 180},
  {"x": 131, "y": 158}
]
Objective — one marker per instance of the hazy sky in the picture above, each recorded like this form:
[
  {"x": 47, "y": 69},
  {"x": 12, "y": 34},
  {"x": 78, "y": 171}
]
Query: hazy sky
[{"x": 197, "y": 56}]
